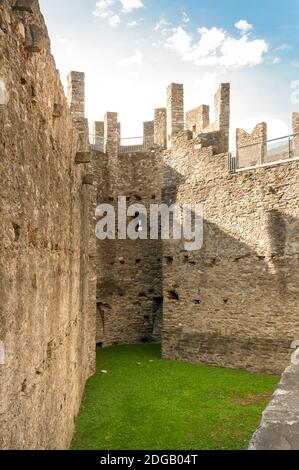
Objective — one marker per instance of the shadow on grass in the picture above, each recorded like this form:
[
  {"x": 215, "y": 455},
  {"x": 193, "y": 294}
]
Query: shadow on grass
[{"x": 146, "y": 403}]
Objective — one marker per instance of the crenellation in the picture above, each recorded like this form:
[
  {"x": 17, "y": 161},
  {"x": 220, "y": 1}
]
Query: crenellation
[
  {"x": 198, "y": 119},
  {"x": 76, "y": 93},
  {"x": 251, "y": 147},
  {"x": 111, "y": 134},
  {"x": 148, "y": 133},
  {"x": 160, "y": 127},
  {"x": 175, "y": 111}
]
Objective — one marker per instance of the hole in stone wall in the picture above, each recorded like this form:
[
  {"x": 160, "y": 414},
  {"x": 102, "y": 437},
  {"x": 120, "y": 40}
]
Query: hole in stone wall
[
  {"x": 99, "y": 345},
  {"x": 33, "y": 92},
  {"x": 142, "y": 294},
  {"x": 17, "y": 231},
  {"x": 197, "y": 302},
  {"x": 173, "y": 295},
  {"x": 138, "y": 261},
  {"x": 23, "y": 81},
  {"x": 225, "y": 301},
  {"x": 169, "y": 259}
]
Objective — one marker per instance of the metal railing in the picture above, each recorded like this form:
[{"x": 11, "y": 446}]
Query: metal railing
[
  {"x": 132, "y": 144},
  {"x": 274, "y": 150},
  {"x": 126, "y": 144},
  {"x": 97, "y": 143}
]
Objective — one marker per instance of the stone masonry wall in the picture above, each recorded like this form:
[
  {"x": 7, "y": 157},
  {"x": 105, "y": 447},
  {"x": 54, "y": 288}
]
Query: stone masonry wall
[
  {"x": 234, "y": 303},
  {"x": 160, "y": 127},
  {"x": 279, "y": 427},
  {"x": 175, "y": 111},
  {"x": 129, "y": 290},
  {"x": 47, "y": 250}
]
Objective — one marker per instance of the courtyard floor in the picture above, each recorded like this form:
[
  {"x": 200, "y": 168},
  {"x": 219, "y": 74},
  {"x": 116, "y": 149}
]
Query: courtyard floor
[{"x": 145, "y": 403}]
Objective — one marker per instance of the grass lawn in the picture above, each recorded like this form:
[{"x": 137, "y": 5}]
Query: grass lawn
[{"x": 168, "y": 405}]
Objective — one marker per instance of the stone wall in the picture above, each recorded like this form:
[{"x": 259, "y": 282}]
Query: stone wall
[
  {"x": 279, "y": 427},
  {"x": 198, "y": 119},
  {"x": 47, "y": 250},
  {"x": 148, "y": 133},
  {"x": 235, "y": 302},
  {"x": 129, "y": 289},
  {"x": 160, "y": 127},
  {"x": 175, "y": 111}
]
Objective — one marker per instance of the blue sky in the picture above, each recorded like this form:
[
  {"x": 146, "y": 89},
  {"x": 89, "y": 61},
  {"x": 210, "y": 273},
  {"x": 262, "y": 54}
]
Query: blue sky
[{"x": 131, "y": 50}]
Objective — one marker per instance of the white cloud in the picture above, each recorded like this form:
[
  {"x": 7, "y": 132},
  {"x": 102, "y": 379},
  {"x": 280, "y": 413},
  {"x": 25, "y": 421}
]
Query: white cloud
[
  {"x": 180, "y": 41},
  {"x": 133, "y": 24},
  {"x": 103, "y": 10},
  {"x": 110, "y": 10},
  {"x": 275, "y": 60},
  {"x": 295, "y": 64},
  {"x": 244, "y": 26},
  {"x": 283, "y": 47},
  {"x": 130, "y": 5},
  {"x": 114, "y": 21},
  {"x": 185, "y": 17},
  {"x": 135, "y": 59},
  {"x": 216, "y": 47},
  {"x": 161, "y": 23}
]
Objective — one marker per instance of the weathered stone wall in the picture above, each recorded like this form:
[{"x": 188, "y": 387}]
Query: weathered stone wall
[
  {"x": 160, "y": 127},
  {"x": 148, "y": 133},
  {"x": 235, "y": 303},
  {"x": 47, "y": 277},
  {"x": 129, "y": 290},
  {"x": 279, "y": 427},
  {"x": 175, "y": 111},
  {"x": 198, "y": 119}
]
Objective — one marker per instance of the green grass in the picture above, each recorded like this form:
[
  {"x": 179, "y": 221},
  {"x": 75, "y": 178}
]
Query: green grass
[{"x": 168, "y": 405}]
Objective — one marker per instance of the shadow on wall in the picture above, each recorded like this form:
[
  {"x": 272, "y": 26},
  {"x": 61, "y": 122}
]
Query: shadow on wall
[{"x": 229, "y": 304}]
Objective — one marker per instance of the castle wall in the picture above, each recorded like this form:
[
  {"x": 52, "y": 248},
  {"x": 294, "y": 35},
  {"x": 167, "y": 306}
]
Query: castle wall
[
  {"x": 234, "y": 303},
  {"x": 148, "y": 133},
  {"x": 198, "y": 118},
  {"x": 47, "y": 250},
  {"x": 129, "y": 290},
  {"x": 160, "y": 127},
  {"x": 175, "y": 111}
]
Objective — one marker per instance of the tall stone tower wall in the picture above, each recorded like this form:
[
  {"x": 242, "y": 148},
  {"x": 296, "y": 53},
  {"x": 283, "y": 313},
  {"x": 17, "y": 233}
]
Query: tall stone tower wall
[
  {"x": 129, "y": 289},
  {"x": 47, "y": 250}
]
